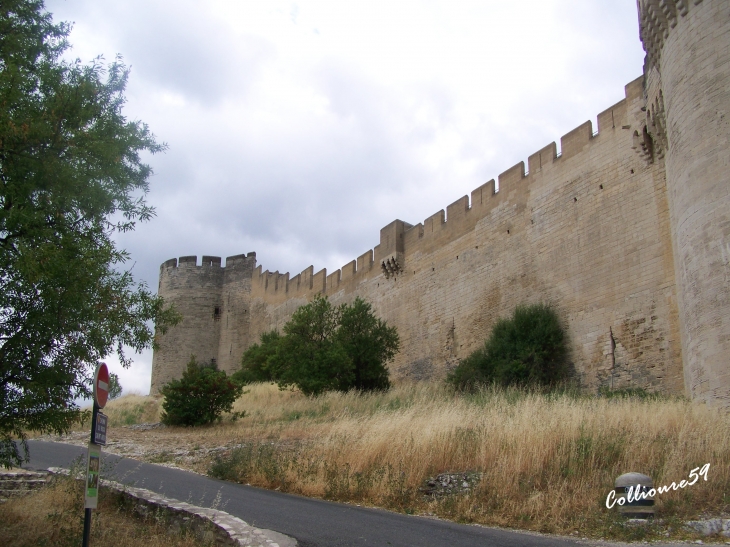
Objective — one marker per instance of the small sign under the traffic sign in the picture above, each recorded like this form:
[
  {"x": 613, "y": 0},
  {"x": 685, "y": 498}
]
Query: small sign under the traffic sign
[{"x": 100, "y": 429}]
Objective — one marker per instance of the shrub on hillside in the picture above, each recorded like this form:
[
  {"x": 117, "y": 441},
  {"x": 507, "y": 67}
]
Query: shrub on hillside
[
  {"x": 469, "y": 374},
  {"x": 325, "y": 348},
  {"x": 310, "y": 357},
  {"x": 200, "y": 396},
  {"x": 527, "y": 349}
]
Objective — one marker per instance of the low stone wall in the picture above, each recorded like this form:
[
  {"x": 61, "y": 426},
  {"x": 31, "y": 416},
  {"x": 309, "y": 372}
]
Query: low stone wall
[
  {"x": 19, "y": 483},
  {"x": 210, "y": 525}
]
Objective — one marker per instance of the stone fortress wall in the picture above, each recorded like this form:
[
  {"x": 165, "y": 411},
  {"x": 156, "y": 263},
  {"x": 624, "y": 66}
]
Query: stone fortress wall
[{"x": 606, "y": 231}]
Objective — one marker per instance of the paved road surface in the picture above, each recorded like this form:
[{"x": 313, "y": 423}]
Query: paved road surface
[{"x": 313, "y": 522}]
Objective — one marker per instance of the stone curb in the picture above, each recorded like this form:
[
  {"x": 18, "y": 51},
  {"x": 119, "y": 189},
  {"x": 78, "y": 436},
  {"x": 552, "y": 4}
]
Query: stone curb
[{"x": 210, "y": 524}]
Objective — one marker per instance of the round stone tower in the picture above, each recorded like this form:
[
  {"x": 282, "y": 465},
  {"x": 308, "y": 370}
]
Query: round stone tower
[
  {"x": 687, "y": 91},
  {"x": 195, "y": 291},
  {"x": 214, "y": 304}
]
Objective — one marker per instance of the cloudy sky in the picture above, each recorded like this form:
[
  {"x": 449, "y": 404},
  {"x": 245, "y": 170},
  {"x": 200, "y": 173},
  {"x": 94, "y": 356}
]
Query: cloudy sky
[{"x": 298, "y": 129}]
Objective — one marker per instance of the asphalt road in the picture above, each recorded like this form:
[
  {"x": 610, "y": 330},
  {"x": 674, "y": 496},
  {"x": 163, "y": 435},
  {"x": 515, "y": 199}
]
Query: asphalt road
[{"x": 313, "y": 522}]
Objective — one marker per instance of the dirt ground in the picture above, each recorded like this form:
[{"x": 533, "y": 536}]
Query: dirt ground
[{"x": 154, "y": 443}]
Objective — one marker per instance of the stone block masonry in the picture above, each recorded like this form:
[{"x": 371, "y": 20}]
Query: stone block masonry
[{"x": 602, "y": 230}]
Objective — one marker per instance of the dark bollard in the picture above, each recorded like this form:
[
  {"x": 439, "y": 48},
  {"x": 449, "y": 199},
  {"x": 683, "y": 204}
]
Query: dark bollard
[{"x": 634, "y": 495}]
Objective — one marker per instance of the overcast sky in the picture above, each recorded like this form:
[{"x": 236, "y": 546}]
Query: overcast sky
[{"x": 299, "y": 129}]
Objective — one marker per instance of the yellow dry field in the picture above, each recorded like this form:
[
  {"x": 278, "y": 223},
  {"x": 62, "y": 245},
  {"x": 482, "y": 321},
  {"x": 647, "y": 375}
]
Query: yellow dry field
[
  {"x": 539, "y": 461},
  {"x": 53, "y": 516},
  {"x": 132, "y": 409}
]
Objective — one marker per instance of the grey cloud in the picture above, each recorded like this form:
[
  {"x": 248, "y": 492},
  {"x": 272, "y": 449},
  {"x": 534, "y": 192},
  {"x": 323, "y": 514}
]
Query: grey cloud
[
  {"x": 201, "y": 67},
  {"x": 319, "y": 198},
  {"x": 178, "y": 46}
]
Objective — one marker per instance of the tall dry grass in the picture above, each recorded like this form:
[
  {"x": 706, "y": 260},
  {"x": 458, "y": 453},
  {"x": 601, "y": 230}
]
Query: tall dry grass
[
  {"x": 132, "y": 409},
  {"x": 547, "y": 460}
]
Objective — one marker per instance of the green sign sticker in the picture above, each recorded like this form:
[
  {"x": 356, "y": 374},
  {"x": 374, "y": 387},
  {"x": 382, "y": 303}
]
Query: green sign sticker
[{"x": 92, "y": 476}]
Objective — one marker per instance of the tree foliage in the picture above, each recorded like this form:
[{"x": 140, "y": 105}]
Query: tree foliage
[
  {"x": 527, "y": 349},
  {"x": 325, "y": 348},
  {"x": 200, "y": 396},
  {"x": 369, "y": 343},
  {"x": 115, "y": 388},
  {"x": 309, "y": 355},
  {"x": 69, "y": 163},
  {"x": 255, "y": 363}
]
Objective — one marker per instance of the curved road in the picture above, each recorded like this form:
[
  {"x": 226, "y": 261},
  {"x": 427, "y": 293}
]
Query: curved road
[{"x": 313, "y": 522}]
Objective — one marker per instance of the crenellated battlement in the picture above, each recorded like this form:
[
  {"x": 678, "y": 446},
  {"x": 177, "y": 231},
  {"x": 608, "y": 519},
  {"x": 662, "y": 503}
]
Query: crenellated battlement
[
  {"x": 399, "y": 239},
  {"x": 657, "y": 18},
  {"x": 207, "y": 261}
]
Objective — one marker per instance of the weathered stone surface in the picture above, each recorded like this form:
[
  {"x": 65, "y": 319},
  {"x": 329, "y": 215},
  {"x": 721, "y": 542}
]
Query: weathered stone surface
[
  {"x": 16, "y": 483},
  {"x": 688, "y": 113}
]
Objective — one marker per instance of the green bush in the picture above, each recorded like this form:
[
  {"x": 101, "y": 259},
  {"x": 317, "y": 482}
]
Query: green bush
[
  {"x": 200, "y": 396},
  {"x": 527, "y": 349},
  {"x": 469, "y": 374},
  {"x": 257, "y": 360},
  {"x": 324, "y": 348}
]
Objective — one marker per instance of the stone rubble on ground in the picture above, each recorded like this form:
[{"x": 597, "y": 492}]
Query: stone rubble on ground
[
  {"x": 147, "y": 426},
  {"x": 450, "y": 483}
]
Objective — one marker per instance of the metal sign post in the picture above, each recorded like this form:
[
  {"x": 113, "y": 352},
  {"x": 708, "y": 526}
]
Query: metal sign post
[{"x": 96, "y": 441}]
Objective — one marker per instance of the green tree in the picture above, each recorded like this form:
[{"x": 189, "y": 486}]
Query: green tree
[
  {"x": 257, "y": 360},
  {"x": 115, "y": 388},
  {"x": 527, "y": 349},
  {"x": 369, "y": 342},
  {"x": 333, "y": 348},
  {"x": 200, "y": 396},
  {"x": 310, "y": 356},
  {"x": 69, "y": 164}
]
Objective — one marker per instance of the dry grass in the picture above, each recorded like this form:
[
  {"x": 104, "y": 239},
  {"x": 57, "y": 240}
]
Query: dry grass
[
  {"x": 132, "y": 409},
  {"x": 547, "y": 461},
  {"x": 54, "y": 516}
]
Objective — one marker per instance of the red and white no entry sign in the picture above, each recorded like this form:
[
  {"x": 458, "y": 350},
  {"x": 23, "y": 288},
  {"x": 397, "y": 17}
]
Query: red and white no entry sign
[{"x": 101, "y": 385}]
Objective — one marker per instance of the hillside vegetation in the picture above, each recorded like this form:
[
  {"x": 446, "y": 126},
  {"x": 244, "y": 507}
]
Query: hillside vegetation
[{"x": 539, "y": 461}]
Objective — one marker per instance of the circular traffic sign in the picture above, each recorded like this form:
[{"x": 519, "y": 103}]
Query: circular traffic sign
[{"x": 101, "y": 385}]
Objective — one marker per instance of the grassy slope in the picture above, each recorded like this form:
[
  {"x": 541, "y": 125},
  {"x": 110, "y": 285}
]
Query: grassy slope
[{"x": 547, "y": 461}]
